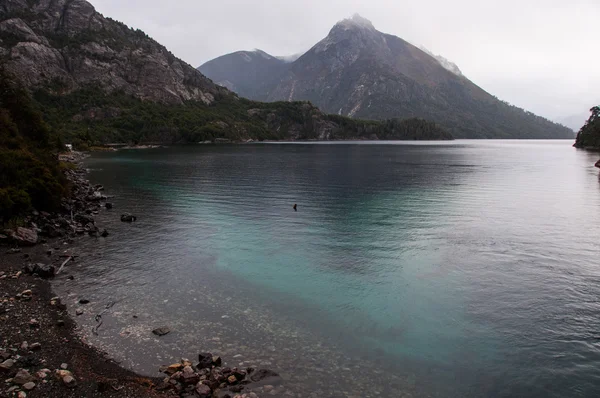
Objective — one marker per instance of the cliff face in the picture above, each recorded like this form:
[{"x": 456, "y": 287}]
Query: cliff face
[
  {"x": 357, "y": 71},
  {"x": 64, "y": 45}
]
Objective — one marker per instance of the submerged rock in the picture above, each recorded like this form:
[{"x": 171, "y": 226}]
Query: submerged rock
[
  {"x": 161, "y": 331},
  {"x": 262, "y": 374},
  {"x": 127, "y": 217}
]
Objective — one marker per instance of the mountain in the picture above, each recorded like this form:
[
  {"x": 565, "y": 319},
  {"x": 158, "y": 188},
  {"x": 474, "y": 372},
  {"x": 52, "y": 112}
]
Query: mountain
[
  {"x": 65, "y": 45},
  {"x": 98, "y": 81},
  {"x": 360, "y": 72},
  {"x": 248, "y": 73}
]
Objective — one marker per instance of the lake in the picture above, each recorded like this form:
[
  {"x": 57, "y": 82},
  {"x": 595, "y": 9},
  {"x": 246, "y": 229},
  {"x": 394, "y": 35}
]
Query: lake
[{"x": 463, "y": 268}]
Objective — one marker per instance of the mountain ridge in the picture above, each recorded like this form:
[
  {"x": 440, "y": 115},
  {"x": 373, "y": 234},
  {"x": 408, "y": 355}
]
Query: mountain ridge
[
  {"x": 97, "y": 81},
  {"x": 357, "y": 71}
]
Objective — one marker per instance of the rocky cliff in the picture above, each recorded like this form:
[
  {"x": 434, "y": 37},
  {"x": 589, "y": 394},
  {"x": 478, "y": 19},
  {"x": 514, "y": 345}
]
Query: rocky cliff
[
  {"x": 64, "y": 45},
  {"x": 360, "y": 72}
]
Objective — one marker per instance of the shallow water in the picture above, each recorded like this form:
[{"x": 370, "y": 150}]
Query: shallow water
[{"x": 465, "y": 268}]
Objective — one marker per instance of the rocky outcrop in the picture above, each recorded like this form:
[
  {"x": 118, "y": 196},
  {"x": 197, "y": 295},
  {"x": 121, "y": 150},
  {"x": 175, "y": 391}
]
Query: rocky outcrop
[
  {"x": 208, "y": 378},
  {"x": 65, "y": 45}
]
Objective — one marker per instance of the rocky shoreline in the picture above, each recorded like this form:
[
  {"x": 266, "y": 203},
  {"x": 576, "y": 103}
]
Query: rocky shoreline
[{"x": 41, "y": 353}]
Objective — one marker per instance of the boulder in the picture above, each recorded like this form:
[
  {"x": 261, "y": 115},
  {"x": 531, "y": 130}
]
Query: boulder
[
  {"x": 25, "y": 236},
  {"x": 22, "y": 377},
  {"x": 205, "y": 360},
  {"x": 84, "y": 219},
  {"x": 188, "y": 376},
  {"x": 44, "y": 271},
  {"x": 203, "y": 390},
  {"x": 51, "y": 231},
  {"x": 127, "y": 217}
]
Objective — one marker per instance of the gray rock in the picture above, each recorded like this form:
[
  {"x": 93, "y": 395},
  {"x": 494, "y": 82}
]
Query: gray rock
[
  {"x": 69, "y": 381},
  {"x": 22, "y": 377},
  {"x": 203, "y": 390},
  {"x": 29, "y": 386},
  {"x": 7, "y": 365},
  {"x": 44, "y": 271},
  {"x": 64, "y": 366},
  {"x": 25, "y": 236},
  {"x": 127, "y": 217},
  {"x": 161, "y": 331}
]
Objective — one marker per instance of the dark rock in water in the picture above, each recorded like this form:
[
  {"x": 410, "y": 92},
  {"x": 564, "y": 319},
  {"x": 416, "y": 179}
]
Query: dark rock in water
[
  {"x": 108, "y": 205},
  {"x": 70, "y": 277},
  {"x": 51, "y": 231},
  {"x": 84, "y": 219},
  {"x": 203, "y": 390},
  {"x": 84, "y": 301},
  {"x": 597, "y": 164},
  {"x": 128, "y": 217},
  {"x": 205, "y": 360},
  {"x": 44, "y": 271},
  {"x": 161, "y": 331},
  {"x": 95, "y": 197},
  {"x": 13, "y": 251},
  {"x": 262, "y": 374},
  {"x": 25, "y": 236},
  {"x": 104, "y": 233}
]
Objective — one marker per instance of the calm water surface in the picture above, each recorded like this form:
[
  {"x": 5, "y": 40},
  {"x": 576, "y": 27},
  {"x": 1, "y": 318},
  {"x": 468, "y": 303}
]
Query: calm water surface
[{"x": 465, "y": 268}]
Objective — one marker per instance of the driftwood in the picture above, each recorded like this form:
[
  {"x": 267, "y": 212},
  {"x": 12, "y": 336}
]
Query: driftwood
[{"x": 64, "y": 263}]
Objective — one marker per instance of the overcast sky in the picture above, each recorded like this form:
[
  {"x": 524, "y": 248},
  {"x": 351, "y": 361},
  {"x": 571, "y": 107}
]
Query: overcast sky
[{"x": 542, "y": 55}]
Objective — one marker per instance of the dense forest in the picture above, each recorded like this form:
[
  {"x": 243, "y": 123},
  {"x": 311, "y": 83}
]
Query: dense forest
[
  {"x": 89, "y": 118},
  {"x": 589, "y": 135},
  {"x": 30, "y": 174}
]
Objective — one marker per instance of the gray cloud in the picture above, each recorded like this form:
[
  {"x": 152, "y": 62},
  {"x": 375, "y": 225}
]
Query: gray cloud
[{"x": 541, "y": 55}]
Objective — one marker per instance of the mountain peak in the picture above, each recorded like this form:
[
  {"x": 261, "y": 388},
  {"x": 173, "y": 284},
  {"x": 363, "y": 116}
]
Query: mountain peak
[{"x": 356, "y": 21}]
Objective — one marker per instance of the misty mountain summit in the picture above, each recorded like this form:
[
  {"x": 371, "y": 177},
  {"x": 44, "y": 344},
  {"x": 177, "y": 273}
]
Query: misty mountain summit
[{"x": 360, "y": 72}]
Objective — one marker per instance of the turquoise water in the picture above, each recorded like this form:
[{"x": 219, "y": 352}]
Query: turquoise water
[{"x": 466, "y": 268}]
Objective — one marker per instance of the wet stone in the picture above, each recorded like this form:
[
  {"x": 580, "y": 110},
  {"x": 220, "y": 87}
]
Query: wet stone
[
  {"x": 161, "y": 331},
  {"x": 29, "y": 386}
]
